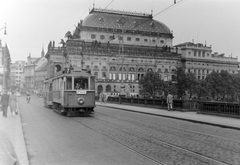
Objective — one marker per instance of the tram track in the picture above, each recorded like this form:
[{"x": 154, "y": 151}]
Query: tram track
[
  {"x": 191, "y": 135},
  {"x": 122, "y": 144},
  {"x": 172, "y": 145},
  {"x": 151, "y": 141}
]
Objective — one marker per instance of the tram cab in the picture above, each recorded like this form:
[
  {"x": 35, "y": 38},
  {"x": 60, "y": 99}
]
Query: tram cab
[{"x": 71, "y": 93}]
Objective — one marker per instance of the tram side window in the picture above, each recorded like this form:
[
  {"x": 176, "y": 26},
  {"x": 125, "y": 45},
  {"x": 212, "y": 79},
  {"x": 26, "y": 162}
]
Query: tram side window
[
  {"x": 69, "y": 83},
  {"x": 81, "y": 83}
]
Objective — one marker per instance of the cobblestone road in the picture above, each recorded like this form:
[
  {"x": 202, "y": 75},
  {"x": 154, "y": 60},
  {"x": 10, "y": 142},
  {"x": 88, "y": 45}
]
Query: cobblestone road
[{"x": 164, "y": 143}]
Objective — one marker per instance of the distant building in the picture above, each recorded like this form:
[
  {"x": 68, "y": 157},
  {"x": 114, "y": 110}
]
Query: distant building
[
  {"x": 29, "y": 71},
  {"x": 17, "y": 73},
  {"x": 20, "y": 76},
  {"x": 199, "y": 59},
  {"x": 13, "y": 68}
]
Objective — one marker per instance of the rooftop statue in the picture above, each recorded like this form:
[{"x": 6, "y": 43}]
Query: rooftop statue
[
  {"x": 62, "y": 42},
  {"x": 69, "y": 35}
]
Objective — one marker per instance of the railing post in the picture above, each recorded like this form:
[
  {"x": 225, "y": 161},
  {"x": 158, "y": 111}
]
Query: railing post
[{"x": 120, "y": 100}]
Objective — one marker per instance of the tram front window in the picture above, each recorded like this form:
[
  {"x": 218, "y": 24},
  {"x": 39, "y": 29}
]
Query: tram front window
[
  {"x": 69, "y": 83},
  {"x": 81, "y": 83}
]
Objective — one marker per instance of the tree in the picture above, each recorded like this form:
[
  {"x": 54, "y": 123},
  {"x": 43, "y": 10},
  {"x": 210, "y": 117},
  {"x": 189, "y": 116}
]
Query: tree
[
  {"x": 214, "y": 84},
  {"x": 227, "y": 85},
  {"x": 236, "y": 87},
  {"x": 151, "y": 84},
  {"x": 181, "y": 82},
  {"x": 201, "y": 88},
  {"x": 191, "y": 83}
]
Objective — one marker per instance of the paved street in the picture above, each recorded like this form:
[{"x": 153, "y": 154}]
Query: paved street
[
  {"x": 55, "y": 139},
  {"x": 113, "y": 136}
]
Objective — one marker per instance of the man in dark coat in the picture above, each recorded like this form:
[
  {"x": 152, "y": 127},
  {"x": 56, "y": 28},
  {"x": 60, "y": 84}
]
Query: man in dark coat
[{"x": 4, "y": 102}]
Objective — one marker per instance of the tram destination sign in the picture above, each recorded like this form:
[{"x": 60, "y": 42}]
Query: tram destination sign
[{"x": 81, "y": 92}]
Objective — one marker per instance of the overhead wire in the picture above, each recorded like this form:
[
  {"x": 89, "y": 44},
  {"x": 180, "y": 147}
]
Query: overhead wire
[
  {"x": 176, "y": 3},
  {"x": 96, "y": 15}
]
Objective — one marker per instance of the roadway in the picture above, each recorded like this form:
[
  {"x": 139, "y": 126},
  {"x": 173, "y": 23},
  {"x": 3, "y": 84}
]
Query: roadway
[{"x": 113, "y": 136}]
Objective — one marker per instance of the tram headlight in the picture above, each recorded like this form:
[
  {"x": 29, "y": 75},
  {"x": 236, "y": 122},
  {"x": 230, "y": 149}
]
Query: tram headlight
[{"x": 80, "y": 101}]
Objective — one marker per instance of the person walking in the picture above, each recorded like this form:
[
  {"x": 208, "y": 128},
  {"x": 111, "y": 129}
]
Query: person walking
[
  {"x": 105, "y": 98},
  {"x": 13, "y": 103},
  {"x": 170, "y": 101},
  {"x": 4, "y": 102},
  {"x": 28, "y": 97},
  {"x": 101, "y": 97}
]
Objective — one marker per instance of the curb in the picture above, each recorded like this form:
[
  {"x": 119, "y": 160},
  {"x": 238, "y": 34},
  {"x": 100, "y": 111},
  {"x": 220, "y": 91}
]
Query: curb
[
  {"x": 21, "y": 149},
  {"x": 174, "y": 117}
]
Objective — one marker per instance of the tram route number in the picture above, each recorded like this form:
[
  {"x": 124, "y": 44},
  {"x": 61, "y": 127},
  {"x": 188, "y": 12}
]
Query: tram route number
[{"x": 81, "y": 92}]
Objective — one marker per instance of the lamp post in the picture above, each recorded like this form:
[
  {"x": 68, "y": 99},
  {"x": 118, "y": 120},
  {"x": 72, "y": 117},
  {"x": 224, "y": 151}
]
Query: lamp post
[
  {"x": 121, "y": 22},
  {"x": 4, "y": 63}
]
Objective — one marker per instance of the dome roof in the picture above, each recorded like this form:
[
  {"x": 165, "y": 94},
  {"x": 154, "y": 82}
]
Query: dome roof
[{"x": 103, "y": 18}]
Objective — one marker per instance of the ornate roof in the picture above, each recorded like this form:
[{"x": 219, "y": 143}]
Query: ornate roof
[{"x": 102, "y": 18}]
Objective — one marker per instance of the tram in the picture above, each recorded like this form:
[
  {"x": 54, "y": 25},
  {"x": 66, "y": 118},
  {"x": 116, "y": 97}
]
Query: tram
[{"x": 70, "y": 92}]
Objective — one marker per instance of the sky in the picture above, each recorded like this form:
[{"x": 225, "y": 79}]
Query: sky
[{"x": 32, "y": 24}]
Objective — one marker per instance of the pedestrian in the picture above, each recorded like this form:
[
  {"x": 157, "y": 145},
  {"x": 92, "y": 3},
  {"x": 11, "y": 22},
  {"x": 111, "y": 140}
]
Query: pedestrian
[
  {"x": 4, "y": 102},
  {"x": 13, "y": 103},
  {"x": 101, "y": 97},
  {"x": 170, "y": 101},
  {"x": 105, "y": 97}
]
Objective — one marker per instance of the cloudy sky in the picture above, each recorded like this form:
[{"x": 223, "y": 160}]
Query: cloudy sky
[{"x": 31, "y": 24}]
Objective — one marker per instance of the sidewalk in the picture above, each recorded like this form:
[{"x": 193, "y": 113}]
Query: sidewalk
[
  {"x": 12, "y": 126},
  {"x": 225, "y": 122}
]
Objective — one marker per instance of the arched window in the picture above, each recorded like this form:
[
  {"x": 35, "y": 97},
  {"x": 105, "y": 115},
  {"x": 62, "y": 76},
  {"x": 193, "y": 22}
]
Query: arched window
[
  {"x": 100, "y": 89},
  {"x": 112, "y": 68},
  {"x": 108, "y": 88},
  {"x": 58, "y": 68},
  {"x": 150, "y": 70},
  {"x": 124, "y": 69},
  {"x": 141, "y": 70},
  {"x": 131, "y": 69}
]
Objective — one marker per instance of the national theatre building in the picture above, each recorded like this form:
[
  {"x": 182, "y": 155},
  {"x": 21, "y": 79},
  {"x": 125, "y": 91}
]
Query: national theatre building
[{"x": 120, "y": 47}]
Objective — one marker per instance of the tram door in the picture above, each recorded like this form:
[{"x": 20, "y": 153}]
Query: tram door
[{"x": 62, "y": 87}]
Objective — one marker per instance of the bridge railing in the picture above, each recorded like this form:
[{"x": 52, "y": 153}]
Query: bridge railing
[
  {"x": 182, "y": 105},
  {"x": 220, "y": 108},
  {"x": 228, "y": 109}
]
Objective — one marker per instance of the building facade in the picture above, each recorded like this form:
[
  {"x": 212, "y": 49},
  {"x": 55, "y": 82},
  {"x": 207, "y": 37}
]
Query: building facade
[
  {"x": 6, "y": 70},
  {"x": 1, "y": 66},
  {"x": 29, "y": 71},
  {"x": 17, "y": 73},
  {"x": 13, "y": 68},
  {"x": 40, "y": 76},
  {"x": 119, "y": 48},
  {"x": 199, "y": 59}
]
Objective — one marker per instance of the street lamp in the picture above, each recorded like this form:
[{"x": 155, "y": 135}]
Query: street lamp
[{"x": 121, "y": 22}]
